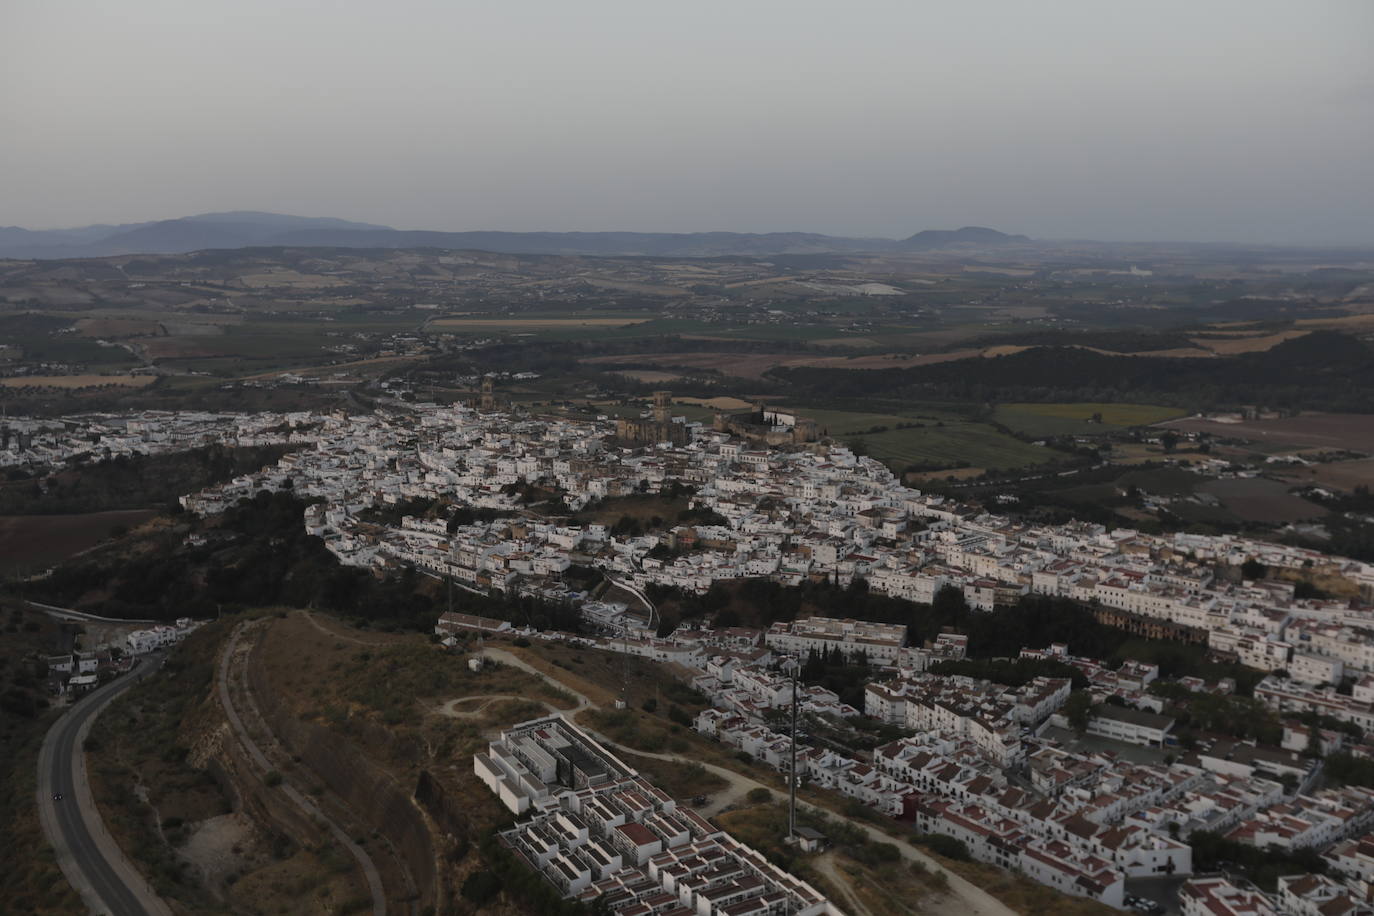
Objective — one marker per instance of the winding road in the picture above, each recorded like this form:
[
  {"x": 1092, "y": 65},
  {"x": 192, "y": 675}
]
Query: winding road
[
  {"x": 66, "y": 613},
  {"x": 90, "y": 858}
]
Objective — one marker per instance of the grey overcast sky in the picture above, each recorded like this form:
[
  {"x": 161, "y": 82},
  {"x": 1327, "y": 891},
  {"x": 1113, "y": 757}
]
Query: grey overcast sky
[{"x": 1244, "y": 120}]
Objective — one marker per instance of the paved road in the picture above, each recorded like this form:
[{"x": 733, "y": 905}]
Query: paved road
[
  {"x": 87, "y": 854},
  {"x": 66, "y": 613}
]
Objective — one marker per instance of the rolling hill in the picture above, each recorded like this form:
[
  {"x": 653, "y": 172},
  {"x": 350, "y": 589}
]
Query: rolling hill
[{"x": 242, "y": 229}]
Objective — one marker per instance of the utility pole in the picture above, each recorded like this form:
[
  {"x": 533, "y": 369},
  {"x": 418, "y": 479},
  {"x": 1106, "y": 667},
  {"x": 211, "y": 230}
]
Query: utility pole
[
  {"x": 795, "y": 664},
  {"x": 624, "y": 665}
]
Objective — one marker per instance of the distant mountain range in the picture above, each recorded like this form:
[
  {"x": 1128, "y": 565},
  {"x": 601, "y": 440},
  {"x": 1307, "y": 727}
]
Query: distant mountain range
[{"x": 245, "y": 229}]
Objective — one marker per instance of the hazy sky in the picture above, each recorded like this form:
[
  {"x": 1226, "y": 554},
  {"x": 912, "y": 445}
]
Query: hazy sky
[{"x": 1246, "y": 120}]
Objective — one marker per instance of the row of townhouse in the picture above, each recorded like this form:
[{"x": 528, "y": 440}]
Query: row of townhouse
[
  {"x": 1002, "y": 842},
  {"x": 1286, "y": 696},
  {"x": 992, "y": 716},
  {"x": 936, "y": 780},
  {"x": 753, "y": 690},
  {"x": 1309, "y": 821},
  {"x": 1295, "y": 895},
  {"x": 819, "y": 766},
  {"x": 600, "y": 832}
]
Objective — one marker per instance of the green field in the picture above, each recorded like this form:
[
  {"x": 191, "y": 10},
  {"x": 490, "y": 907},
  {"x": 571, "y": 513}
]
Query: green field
[
  {"x": 1075, "y": 419},
  {"x": 45, "y": 338},
  {"x": 947, "y": 446},
  {"x": 1158, "y": 481},
  {"x": 511, "y": 326},
  {"x": 789, "y": 332},
  {"x": 844, "y": 422}
]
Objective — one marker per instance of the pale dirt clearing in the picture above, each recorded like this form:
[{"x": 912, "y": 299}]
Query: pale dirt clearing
[
  {"x": 720, "y": 403},
  {"x": 289, "y": 278},
  {"x": 314, "y": 371},
  {"x": 754, "y": 365},
  {"x": 1230, "y": 343},
  {"x": 215, "y": 847},
  {"x": 825, "y": 864},
  {"x": 1343, "y": 475},
  {"x": 182, "y": 347},
  {"x": 112, "y": 328},
  {"x": 650, "y": 376},
  {"x": 481, "y": 324},
  {"x": 629, "y": 286},
  {"x": 1344, "y": 323},
  {"x": 1313, "y": 430},
  {"x": 76, "y": 381},
  {"x": 479, "y": 704}
]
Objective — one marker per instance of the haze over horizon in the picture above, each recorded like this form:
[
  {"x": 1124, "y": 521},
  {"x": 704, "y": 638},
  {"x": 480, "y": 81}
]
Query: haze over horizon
[{"x": 1231, "y": 121}]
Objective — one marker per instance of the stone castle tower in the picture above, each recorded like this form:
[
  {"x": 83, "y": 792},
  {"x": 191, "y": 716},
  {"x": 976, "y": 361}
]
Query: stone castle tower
[{"x": 658, "y": 428}]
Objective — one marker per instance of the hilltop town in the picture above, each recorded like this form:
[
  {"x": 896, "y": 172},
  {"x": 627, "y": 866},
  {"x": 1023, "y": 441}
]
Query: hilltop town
[
  {"x": 978, "y": 764},
  {"x": 1076, "y": 777}
]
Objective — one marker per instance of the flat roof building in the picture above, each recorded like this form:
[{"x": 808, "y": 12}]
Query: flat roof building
[{"x": 600, "y": 830}]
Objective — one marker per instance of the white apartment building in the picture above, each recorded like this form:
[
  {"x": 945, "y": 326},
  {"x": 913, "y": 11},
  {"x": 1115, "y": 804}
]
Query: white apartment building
[{"x": 879, "y": 642}]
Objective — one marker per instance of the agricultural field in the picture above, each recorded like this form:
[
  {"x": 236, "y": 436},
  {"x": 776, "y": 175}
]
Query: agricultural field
[
  {"x": 114, "y": 328},
  {"x": 948, "y": 475},
  {"x": 1154, "y": 481},
  {"x": 969, "y": 443},
  {"x": 1142, "y": 452},
  {"x": 650, "y": 376},
  {"x": 260, "y": 345},
  {"x": 1196, "y": 498},
  {"x": 845, "y": 422},
  {"x": 33, "y": 542},
  {"x": 1260, "y": 500},
  {"x": 756, "y": 365},
  {"x": 289, "y": 278},
  {"x": 51, "y": 339},
  {"x": 1077, "y": 419},
  {"x": 73, "y": 382},
  {"x": 1229, "y": 343},
  {"x": 1338, "y": 475},
  {"x": 532, "y": 324},
  {"x": 737, "y": 365},
  {"x": 1308, "y": 430},
  {"x": 719, "y": 403}
]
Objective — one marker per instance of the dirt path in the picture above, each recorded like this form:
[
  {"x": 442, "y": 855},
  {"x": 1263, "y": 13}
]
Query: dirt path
[
  {"x": 509, "y": 658},
  {"x": 369, "y": 868},
  {"x": 825, "y": 864},
  {"x": 379, "y": 642},
  {"x": 448, "y": 708},
  {"x": 965, "y": 897},
  {"x": 732, "y": 795},
  {"x": 971, "y": 898}
]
